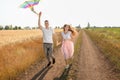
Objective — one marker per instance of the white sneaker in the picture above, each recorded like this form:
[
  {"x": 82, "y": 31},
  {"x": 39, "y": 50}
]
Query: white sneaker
[{"x": 67, "y": 66}]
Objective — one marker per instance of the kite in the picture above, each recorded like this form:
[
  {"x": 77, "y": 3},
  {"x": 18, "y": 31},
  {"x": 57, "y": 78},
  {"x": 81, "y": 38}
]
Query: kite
[{"x": 30, "y": 4}]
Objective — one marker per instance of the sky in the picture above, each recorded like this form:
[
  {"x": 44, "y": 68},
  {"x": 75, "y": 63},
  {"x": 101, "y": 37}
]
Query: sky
[{"x": 59, "y": 12}]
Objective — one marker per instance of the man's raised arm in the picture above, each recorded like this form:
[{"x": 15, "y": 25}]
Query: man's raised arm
[{"x": 39, "y": 20}]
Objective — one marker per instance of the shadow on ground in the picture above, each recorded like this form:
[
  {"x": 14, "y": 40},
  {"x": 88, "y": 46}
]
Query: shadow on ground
[
  {"x": 41, "y": 74},
  {"x": 64, "y": 74}
]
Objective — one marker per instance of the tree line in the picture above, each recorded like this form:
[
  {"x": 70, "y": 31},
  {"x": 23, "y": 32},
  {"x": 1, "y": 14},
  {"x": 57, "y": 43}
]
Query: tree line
[
  {"x": 89, "y": 26},
  {"x": 10, "y": 27}
]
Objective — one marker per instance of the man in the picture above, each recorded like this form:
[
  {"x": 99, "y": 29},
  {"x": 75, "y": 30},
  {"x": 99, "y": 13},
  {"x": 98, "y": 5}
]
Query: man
[{"x": 47, "y": 40}]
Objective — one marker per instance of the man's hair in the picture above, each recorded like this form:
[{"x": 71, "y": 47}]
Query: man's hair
[{"x": 46, "y": 21}]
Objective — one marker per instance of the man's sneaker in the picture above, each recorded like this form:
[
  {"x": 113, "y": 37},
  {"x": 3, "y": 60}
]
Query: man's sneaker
[
  {"x": 48, "y": 64},
  {"x": 53, "y": 60}
]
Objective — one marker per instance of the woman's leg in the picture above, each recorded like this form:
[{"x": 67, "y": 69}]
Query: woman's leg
[
  {"x": 70, "y": 48},
  {"x": 70, "y": 61},
  {"x": 66, "y": 62}
]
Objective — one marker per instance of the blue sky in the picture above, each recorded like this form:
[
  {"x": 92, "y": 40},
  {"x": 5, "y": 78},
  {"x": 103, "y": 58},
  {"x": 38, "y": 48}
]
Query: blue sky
[{"x": 60, "y": 12}]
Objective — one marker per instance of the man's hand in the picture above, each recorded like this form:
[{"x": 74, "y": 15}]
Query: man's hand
[
  {"x": 40, "y": 13},
  {"x": 39, "y": 20}
]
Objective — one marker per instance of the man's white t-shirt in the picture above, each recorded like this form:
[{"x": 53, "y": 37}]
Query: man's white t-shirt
[{"x": 47, "y": 35}]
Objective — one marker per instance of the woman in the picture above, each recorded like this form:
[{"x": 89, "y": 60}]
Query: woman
[{"x": 67, "y": 43}]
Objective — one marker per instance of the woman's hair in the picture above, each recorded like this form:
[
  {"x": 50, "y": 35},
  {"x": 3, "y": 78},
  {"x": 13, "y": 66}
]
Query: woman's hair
[
  {"x": 64, "y": 27},
  {"x": 70, "y": 29}
]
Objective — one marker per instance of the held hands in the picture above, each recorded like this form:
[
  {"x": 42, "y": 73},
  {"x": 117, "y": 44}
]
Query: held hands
[{"x": 58, "y": 43}]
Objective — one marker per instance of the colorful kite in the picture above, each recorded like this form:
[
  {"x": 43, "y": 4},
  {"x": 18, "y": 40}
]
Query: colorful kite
[{"x": 30, "y": 4}]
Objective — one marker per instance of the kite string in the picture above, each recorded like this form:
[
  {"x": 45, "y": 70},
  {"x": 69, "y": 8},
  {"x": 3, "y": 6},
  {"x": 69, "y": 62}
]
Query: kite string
[{"x": 32, "y": 9}]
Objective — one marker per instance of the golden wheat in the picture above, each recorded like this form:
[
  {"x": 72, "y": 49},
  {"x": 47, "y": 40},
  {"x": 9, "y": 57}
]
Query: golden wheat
[{"x": 18, "y": 50}]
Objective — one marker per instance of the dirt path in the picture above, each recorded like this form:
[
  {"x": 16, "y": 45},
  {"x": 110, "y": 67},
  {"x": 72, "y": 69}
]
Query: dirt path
[
  {"x": 92, "y": 64},
  {"x": 57, "y": 69},
  {"x": 38, "y": 71}
]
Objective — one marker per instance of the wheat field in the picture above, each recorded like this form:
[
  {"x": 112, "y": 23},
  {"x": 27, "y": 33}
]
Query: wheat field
[
  {"x": 18, "y": 50},
  {"x": 12, "y": 36},
  {"x": 108, "y": 40}
]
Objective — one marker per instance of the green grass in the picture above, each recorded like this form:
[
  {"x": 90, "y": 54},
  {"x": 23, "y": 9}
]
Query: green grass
[
  {"x": 72, "y": 73},
  {"x": 108, "y": 41}
]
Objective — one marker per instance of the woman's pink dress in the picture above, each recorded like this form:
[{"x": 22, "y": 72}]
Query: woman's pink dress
[{"x": 67, "y": 45}]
